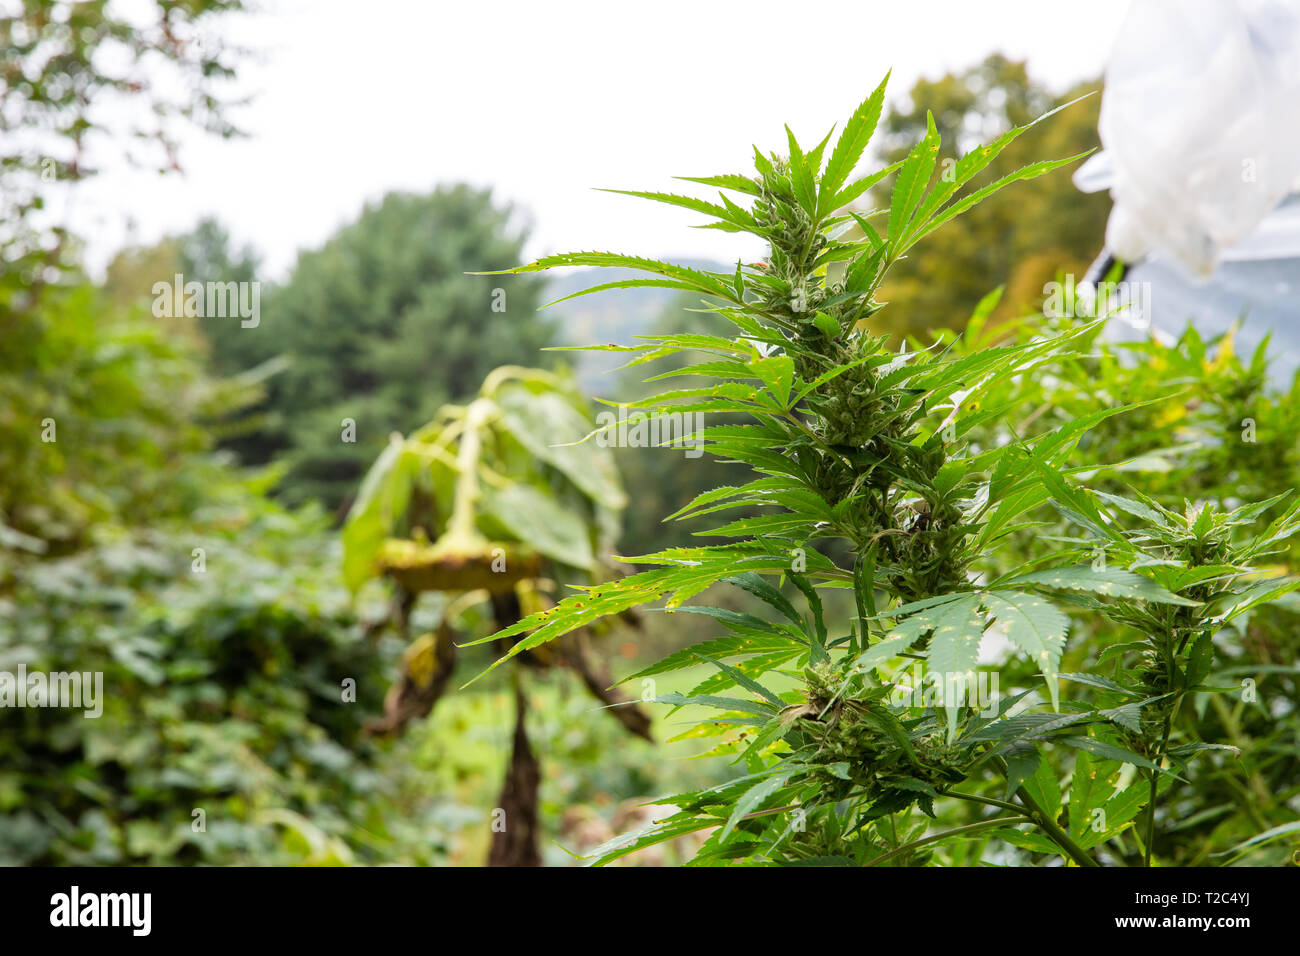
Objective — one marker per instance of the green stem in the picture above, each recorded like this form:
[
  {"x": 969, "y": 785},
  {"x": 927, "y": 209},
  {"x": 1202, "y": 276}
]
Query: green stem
[
  {"x": 1155, "y": 782},
  {"x": 466, "y": 494},
  {"x": 1048, "y": 825},
  {"x": 1171, "y": 670},
  {"x": 1054, "y": 831},
  {"x": 987, "y": 801}
]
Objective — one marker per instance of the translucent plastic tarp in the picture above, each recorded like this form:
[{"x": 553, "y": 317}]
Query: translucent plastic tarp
[{"x": 1200, "y": 121}]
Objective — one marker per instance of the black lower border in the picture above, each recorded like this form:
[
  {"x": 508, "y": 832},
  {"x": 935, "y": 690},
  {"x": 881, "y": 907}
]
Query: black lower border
[{"x": 240, "y": 905}]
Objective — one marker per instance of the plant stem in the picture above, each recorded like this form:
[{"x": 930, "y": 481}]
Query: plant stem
[
  {"x": 1171, "y": 670},
  {"x": 461, "y": 523},
  {"x": 1155, "y": 782},
  {"x": 987, "y": 801},
  {"x": 1054, "y": 831},
  {"x": 1048, "y": 825}
]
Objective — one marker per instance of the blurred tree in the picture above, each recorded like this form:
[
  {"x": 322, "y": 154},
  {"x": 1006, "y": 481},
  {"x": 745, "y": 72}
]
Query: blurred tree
[
  {"x": 382, "y": 326},
  {"x": 238, "y": 365},
  {"x": 132, "y": 272},
  {"x": 1020, "y": 238},
  {"x": 61, "y": 63},
  {"x": 206, "y": 254}
]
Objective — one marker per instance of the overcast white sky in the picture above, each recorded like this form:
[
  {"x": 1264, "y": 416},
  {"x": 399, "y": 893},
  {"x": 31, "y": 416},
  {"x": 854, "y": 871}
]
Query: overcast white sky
[{"x": 545, "y": 100}]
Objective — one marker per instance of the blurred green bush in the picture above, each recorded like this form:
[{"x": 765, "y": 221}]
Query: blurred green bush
[{"x": 216, "y": 617}]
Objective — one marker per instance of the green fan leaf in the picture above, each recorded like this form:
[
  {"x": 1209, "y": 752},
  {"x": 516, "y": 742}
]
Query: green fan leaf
[
  {"x": 1111, "y": 582},
  {"x": 954, "y": 648},
  {"x": 1036, "y": 627},
  {"x": 850, "y": 146}
]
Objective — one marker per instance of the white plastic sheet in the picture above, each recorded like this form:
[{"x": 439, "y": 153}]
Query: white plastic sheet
[{"x": 1201, "y": 125}]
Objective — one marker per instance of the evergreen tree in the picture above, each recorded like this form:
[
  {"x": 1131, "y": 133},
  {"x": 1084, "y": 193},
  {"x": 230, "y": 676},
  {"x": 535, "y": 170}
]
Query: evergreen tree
[{"x": 382, "y": 325}]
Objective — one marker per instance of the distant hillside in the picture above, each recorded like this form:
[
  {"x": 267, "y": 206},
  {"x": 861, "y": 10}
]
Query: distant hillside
[{"x": 617, "y": 316}]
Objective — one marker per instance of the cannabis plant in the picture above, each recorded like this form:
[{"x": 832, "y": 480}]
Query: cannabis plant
[
  {"x": 849, "y": 734},
  {"x": 1215, "y": 427}
]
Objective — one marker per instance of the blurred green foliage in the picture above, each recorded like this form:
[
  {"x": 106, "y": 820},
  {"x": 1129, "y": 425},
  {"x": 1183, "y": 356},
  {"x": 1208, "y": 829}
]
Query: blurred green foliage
[
  {"x": 215, "y": 617},
  {"x": 223, "y": 694},
  {"x": 224, "y": 634},
  {"x": 592, "y": 771},
  {"x": 97, "y": 412}
]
